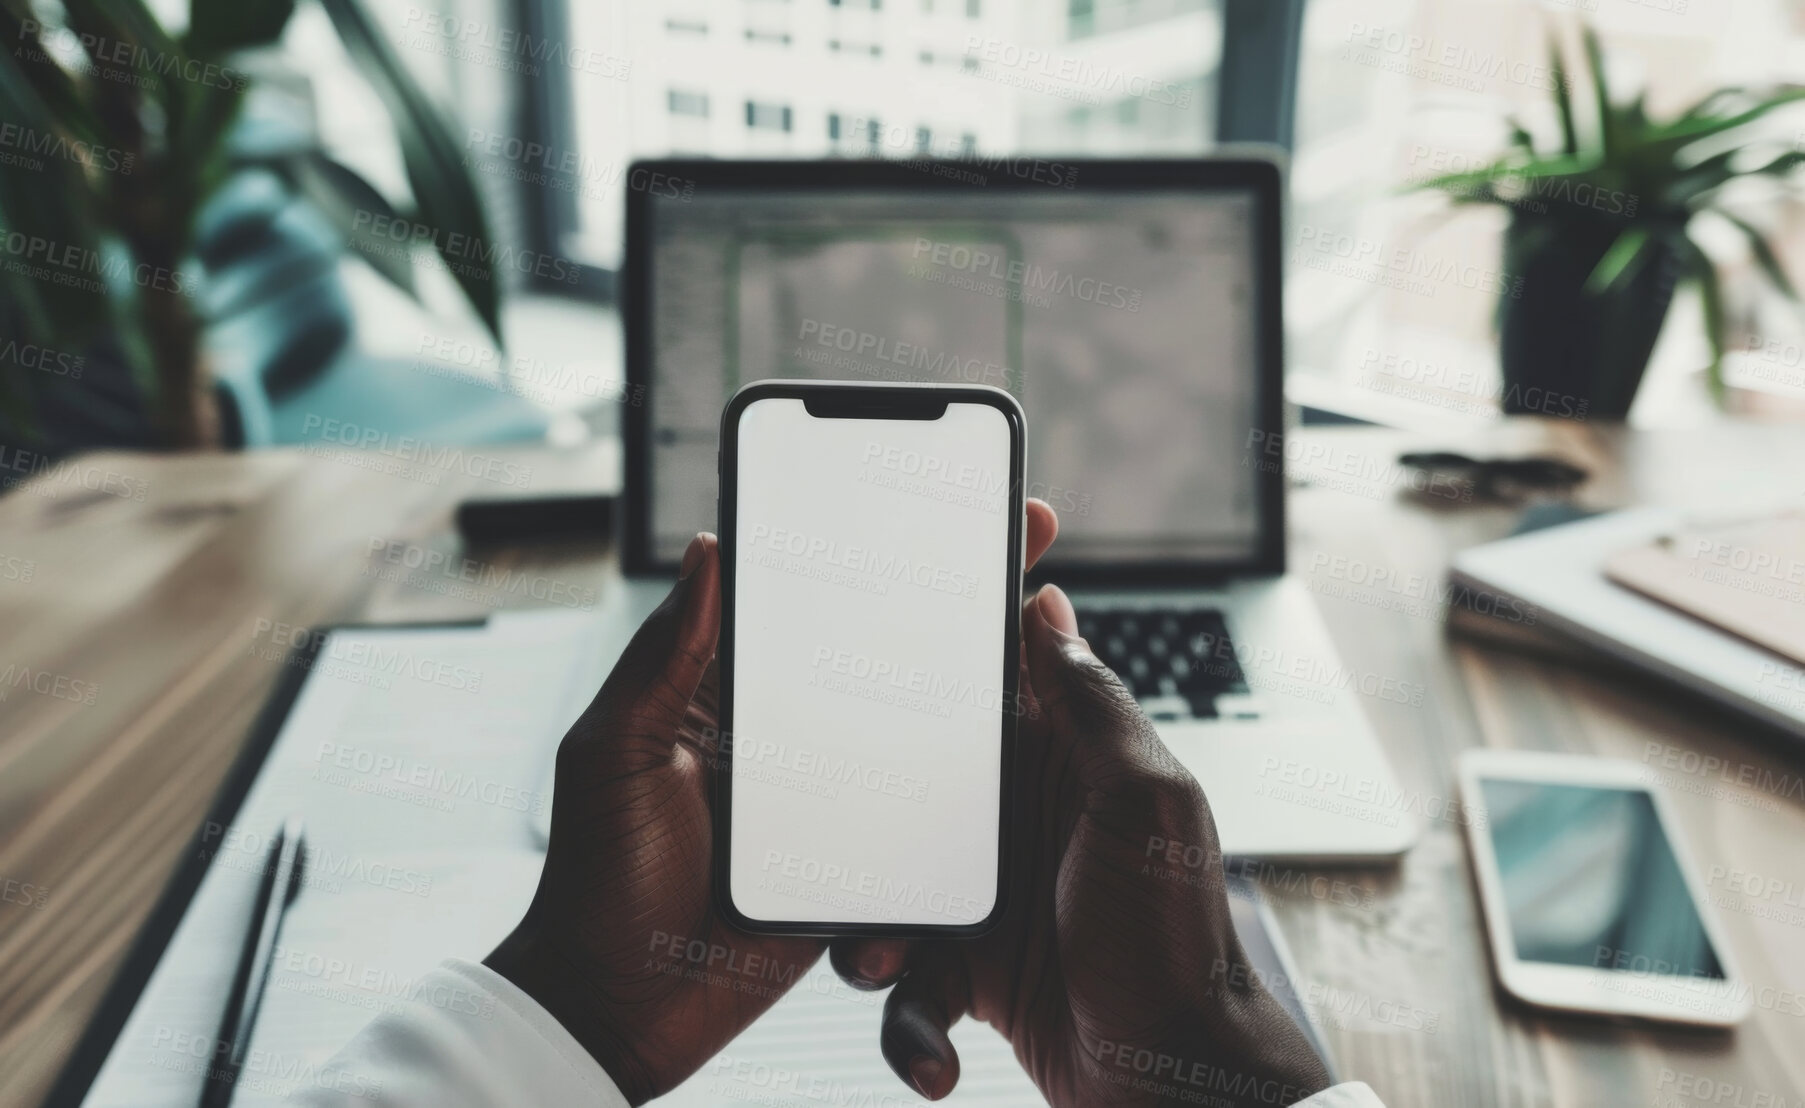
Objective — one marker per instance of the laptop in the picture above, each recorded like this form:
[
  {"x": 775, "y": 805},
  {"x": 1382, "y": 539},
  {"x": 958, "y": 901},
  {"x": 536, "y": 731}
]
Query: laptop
[{"x": 1133, "y": 308}]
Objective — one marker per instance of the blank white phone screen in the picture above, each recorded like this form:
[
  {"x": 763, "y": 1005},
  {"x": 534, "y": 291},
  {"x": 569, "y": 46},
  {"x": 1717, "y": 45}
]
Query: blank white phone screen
[{"x": 872, "y": 583}]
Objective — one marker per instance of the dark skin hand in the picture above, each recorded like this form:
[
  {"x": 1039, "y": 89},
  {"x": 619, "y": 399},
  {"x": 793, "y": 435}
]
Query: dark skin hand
[
  {"x": 622, "y": 943},
  {"x": 1115, "y": 973}
]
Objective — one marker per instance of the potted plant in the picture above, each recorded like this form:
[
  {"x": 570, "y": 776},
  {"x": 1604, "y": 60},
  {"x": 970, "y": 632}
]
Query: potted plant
[
  {"x": 114, "y": 135},
  {"x": 1600, "y": 235}
]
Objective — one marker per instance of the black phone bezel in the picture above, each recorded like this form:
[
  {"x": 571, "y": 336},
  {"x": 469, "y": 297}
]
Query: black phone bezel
[{"x": 870, "y": 401}]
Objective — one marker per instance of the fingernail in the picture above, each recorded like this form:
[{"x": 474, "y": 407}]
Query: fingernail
[
  {"x": 925, "y": 1071},
  {"x": 692, "y": 557},
  {"x": 870, "y": 965},
  {"x": 1056, "y": 608}
]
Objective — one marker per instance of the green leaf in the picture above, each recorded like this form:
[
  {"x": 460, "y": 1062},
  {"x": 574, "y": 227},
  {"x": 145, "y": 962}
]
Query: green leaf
[
  {"x": 53, "y": 208},
  {"x": 352, "y": 206},
  {"x": 1764, "y": 256},
  {"x": 113, "y": 22},
  {"x": 1563, "y": 97},
  {"x": 1601, "y": 95},
  {"x": 54, "y": 87},
  {"x": 1664, "y": 142},
  {"x": 1619, "y": 262},
  {"x": 444, "y": 192},
  {"x": 1520, "y": 136},
  {"x": 1511, "y": 174},
  {"x": 218, "y": 27}
]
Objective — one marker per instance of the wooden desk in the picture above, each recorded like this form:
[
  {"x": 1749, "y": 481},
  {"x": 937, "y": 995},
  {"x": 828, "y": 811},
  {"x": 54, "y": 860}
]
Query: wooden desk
[{"x": 146, "y": 579}]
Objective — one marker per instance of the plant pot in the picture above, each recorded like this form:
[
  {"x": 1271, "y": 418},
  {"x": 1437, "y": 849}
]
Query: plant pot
[{"x": 1567, "y": 352}]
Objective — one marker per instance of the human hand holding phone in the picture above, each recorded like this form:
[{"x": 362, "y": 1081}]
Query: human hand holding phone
[
  {"x": 623, "y": 943},
  {"x": 1116, "y": 976}
]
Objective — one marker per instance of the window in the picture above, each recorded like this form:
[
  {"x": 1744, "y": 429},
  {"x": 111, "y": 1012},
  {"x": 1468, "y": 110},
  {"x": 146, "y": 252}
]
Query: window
[
  {"x": 689, "y": 103},
  {"x": 997, "y": 78},
  {"x": 767, "y": 117},
  {"x": 1376, "y": 112}
]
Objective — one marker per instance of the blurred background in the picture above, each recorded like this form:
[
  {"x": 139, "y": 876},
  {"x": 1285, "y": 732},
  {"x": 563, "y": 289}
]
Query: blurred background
[{"x": 407, "y": 216}]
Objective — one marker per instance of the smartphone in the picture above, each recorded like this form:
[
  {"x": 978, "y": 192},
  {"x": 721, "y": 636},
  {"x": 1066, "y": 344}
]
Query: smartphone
[
  {"x": 1591, "y": 901},
  {"x": 871, "y": 560}
]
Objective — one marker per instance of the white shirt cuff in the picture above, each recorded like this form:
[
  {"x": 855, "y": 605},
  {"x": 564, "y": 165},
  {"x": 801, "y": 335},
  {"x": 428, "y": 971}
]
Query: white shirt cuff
[
  {"x": 1350, "y": 1094},
  {"x": 469, "y": 1038}
]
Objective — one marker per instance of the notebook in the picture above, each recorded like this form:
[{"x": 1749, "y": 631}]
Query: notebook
[
  {"x": 419, "y": 758},
  {"x": 1744, "y": 576}
]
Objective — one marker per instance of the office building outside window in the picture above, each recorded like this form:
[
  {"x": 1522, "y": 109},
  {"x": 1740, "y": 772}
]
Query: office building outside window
[{"x": 860, "y": 78}]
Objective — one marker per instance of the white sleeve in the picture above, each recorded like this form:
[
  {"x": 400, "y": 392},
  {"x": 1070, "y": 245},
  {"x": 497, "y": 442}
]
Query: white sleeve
[
  {"x": 1350, "y": 1094},
  {"x": 468, "y": 1039}
]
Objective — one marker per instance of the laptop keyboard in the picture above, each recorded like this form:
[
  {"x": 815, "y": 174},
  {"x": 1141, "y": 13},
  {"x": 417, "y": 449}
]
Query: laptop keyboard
[{"x": 1178, "y": 662}]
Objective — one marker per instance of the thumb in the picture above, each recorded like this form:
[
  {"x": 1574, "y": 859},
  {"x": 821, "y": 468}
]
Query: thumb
[
  {"x": 651, "y": 686},
  {"x": 1086, "y": 707}
]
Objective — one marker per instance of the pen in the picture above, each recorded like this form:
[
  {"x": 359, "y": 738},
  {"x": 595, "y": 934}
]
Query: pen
[{"x": 281, "y": 881}]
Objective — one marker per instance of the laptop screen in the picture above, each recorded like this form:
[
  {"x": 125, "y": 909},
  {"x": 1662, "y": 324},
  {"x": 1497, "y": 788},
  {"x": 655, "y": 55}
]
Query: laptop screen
[{"x": 1124, "y": 322}]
